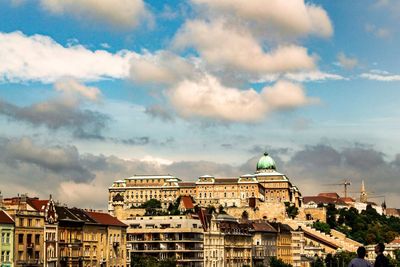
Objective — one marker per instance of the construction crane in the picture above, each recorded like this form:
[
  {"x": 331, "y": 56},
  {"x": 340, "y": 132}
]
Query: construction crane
[{"x": 345, "y": 184}]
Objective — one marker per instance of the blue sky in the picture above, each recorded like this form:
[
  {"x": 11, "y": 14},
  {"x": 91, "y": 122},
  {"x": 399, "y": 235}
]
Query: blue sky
[{"x": 182, "y": 82}]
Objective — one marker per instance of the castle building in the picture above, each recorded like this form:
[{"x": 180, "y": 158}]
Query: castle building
[{"x": 265, "y": 185}]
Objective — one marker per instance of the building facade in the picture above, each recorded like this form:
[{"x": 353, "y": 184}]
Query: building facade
[
  {"x": 264, "y": 242},
  {"x": 166, "y": 237},
  {"x": 227, "y": 243},
  {"x": 7, "y": 240},
  {"x": 28, "y": 232},
  {"x": 265, "y": 185}
]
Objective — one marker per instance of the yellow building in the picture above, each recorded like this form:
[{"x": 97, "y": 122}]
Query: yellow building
[
  {"x": 29, "y": 231},
  {"x": 284, "y": 242}
]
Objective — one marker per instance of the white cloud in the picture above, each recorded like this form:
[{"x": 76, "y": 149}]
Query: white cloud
[
  {"x": 125, "y": 13},
  {"x": 40, "y": 58},
  {"x": 208, "y": 98},
  {"x": 157, "y": 68},
  {"x": 308, "y": 76},
  {"x": 380, "y": 76},
  {"x": 222, "y": 45},
  {"x": 293, "y": 17},
  {"x": 347, "y": 62}
]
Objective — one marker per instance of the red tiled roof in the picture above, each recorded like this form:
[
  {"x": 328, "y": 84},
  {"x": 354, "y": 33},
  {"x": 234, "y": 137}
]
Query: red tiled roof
[
  {"x": 322, "y": 199},
  {"x": 347, "y": 199},
  {"x": 38, "y": 204},
  {"x": 105, "y": 219},
  {"x": 5, "y": 218},
  {"x": 329, "y": 194},
  {"x": 187, "y": 202}
]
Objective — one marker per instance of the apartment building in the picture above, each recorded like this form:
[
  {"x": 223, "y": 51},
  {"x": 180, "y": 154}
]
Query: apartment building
[
  {"x": 264, "y": 242},
  {"x": 28, "y": 232},
  {"x": 178, "y": 237},
  {"x": 7, "y": 240},
  {"x": 284, "y": 248},
  {"x": 227, "y": 242}
]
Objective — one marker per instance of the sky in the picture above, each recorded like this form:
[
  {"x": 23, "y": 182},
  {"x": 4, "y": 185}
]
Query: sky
[{"x": 96, "y": 91}]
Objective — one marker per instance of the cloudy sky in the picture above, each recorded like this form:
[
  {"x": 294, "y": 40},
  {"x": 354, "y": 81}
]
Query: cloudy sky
[{"x": 94, "y": 91}]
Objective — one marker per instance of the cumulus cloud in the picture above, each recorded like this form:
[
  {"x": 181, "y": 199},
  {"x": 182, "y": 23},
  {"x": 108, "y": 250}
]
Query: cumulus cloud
[
  {"x": 276, "y": 16},
  {"x": 347, "y": 62},
  {"x": 222, "y": 45},
  {"x": 40, "y": 58},
  {"x": 208, "y": 98},
  {"x": 122, "y": 13},
  {"x": 156, "y": 68},
  {"x": 63, "y": 111}
]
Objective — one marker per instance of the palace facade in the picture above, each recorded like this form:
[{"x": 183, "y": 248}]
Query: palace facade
[{"x": 265, "y": 185}]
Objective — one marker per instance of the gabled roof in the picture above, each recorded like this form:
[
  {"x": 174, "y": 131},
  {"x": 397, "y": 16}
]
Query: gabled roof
[
  {"x": 64, "y": 214},
  {"x": 5, "y": 218},
  {"x": 105, "y": 219}
]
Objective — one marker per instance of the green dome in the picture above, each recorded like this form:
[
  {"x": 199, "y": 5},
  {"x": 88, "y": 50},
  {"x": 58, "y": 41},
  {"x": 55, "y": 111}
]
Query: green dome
[{"x": 266, "y": 163}]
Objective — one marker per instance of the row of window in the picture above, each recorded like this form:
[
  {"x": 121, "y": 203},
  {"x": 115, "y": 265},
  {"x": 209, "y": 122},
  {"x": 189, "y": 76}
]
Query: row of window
[
  {"x": 5, "y": 238},
  {"x": 5, "y": 256},
  {"x": 29, "y": 222},
  {"x": 29, "y": 239}
]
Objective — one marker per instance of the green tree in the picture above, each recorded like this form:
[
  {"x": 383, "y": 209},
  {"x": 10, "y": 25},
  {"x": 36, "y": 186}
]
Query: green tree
[
  {"x": 275, "y": 262},
  {"x": 291, "y": 210},
  {"x": 321, "y": 226}
]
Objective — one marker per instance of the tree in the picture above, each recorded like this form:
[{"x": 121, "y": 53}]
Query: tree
[
  {"x": 275, "y": 262},
  {"x": 151, "y": 207},
  {"x": 245, "y": 215},
  {"x": 291, "y": 210},
  {"x": 321, "y": 226}
]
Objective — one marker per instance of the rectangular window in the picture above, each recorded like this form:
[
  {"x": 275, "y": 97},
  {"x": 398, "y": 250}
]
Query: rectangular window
[
  {"x": 37, "y": 239},
  {"x": 20, "y": 238},
  {"x": 29, "y": 222}
]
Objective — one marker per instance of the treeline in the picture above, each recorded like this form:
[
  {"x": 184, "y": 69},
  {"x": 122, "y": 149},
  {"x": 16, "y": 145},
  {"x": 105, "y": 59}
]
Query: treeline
[{"x": 367, "y": 227}]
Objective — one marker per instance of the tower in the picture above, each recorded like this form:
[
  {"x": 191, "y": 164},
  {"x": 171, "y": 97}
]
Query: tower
[
  {"x": 363, "y": 193},
  {"x": 118, "y": 204}
]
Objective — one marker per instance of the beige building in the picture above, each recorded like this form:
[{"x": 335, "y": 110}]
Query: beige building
[
  {"x": 227, "y": 242},
  {"x": 29, "y": 231},
  {"x": 166, "y": 237}
]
